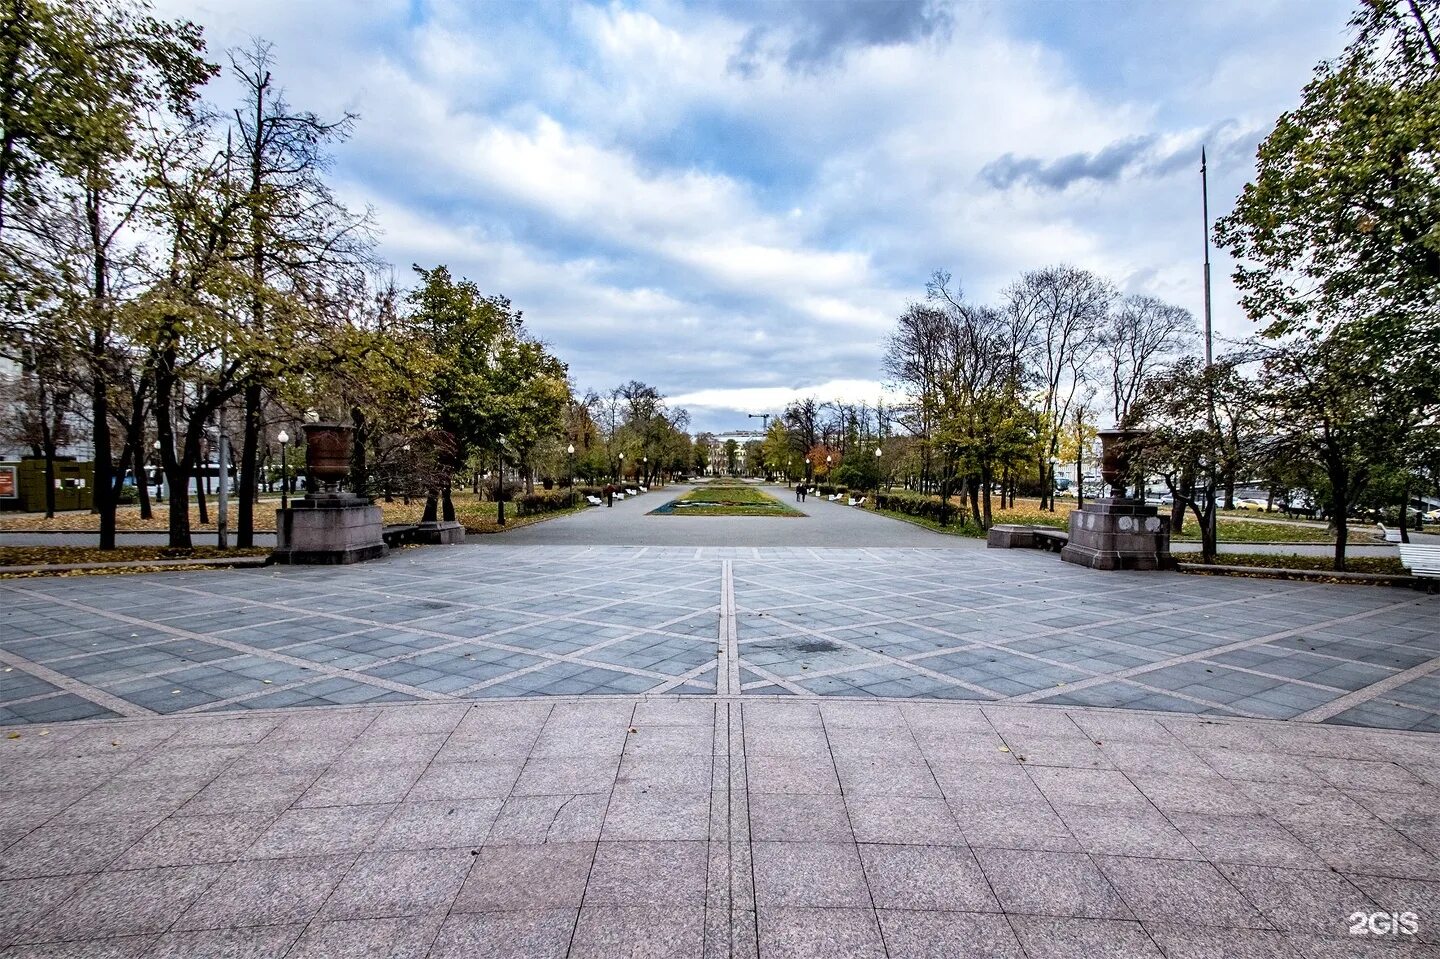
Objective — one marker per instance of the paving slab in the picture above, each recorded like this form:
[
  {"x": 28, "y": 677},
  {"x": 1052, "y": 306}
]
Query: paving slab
[{"x": 1008, "y": 860}]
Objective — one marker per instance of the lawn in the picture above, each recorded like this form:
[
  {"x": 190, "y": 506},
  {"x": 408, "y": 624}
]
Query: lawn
[
  {"x": 475, "y": 514},
  {"x": 1231, "y": 529},
  {"x": 725, "y": 500},
  {"x": 1353, "y": 564}
]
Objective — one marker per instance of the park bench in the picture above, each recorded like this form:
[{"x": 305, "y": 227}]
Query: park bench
[
  {"x": 857, "y": 501},
  {"x": 1422, "y": 561},
  {"x": 1389, "y": 535},
  {"x": 1053, "y": 540},
  {"x": 631, "y": 492},
  {"x": 1009, "y": 536},
  {"x": 832, "y": 497},
  {"x": 593, "y": 500}
]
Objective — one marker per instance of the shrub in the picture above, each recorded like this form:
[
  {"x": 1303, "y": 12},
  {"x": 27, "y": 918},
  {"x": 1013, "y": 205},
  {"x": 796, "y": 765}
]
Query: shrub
[
  {"x": 925, "y": 507},
  {"x": 546, "y": 501}
]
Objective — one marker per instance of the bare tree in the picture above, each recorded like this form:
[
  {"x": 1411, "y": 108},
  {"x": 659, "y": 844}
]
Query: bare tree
[
  {"x": 1139, "y": 340},
  {"x": 1060, "y": 311}
]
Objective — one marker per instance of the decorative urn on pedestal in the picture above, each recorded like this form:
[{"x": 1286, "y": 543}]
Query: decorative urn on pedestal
[
  {"x": 328, "y": 526},
  {"x": 1118, "y": 532}
]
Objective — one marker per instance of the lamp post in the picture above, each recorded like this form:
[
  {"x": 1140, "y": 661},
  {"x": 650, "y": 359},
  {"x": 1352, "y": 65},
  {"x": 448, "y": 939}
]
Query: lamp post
[
  {"x": 570, "y": 451},
  {"x": 284, "y": 439},
  {"x": 1053, "y": 464},
  {"x": 877, "y": 476},
  {"x": 808, "y": 464},
  {"x": 160, "y": 486},
  {"x": 500, "y": 481},
  {"x": 644, "y": 470}
]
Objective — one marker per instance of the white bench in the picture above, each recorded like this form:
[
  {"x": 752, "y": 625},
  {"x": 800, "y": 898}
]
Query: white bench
[
  {"x": 857, "y": 501},
  {"x": 593, "y": 500},
  {"x": 632, "y": 492},
  {"x": 619, "y": 495},
  {"x": 1421, "y": 560},
  {"x": 832, "y": 497},
  {"x": 1391, "y": 535}
]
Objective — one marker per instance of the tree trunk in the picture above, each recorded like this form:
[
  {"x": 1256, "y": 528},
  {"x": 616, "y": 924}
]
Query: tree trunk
[
  {"x": 142, "y": 478},
  {"x": 359, "y": 451},
  {"x": 249, "y": 480},
  {"x": 1404, "y": 511},
  {"x": 1339, "y": 511},
  {"x": 985, "y": 478}
]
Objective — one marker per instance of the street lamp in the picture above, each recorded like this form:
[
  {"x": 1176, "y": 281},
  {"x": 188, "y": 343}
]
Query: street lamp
[
  {"x": 571, "y": 451},
  {"x": 160, "y": 486},
  {"x": 877, "y": 477},
  {"x": 500, "y": 481},
  {"x": 620, "y": 477},
  {"x": 644, "y": 470},
  {"x": 284, "y": 439}
]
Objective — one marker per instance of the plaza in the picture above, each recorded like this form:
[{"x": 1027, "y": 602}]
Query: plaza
[{"x": 874, "y": 741}]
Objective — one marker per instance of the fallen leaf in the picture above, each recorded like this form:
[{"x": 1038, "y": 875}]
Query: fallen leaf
[
  {"x": 13, "y": 736},
  {"x": 1004, "y": 749}
]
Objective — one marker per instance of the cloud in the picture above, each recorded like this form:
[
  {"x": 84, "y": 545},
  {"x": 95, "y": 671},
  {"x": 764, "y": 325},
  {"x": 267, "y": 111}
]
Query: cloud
[
  {"x": 812, "y": 36},
  {"x": 721, "y": 198}
]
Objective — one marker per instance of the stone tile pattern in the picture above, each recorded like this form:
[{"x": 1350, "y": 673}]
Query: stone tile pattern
[
  {"x": 502, "y": 622},
  {"x": 684, "y": 826}
]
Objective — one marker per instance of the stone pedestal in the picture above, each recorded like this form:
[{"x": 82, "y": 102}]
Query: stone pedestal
[
  {"x": 328, "y": 529},
  {"x": 445, "y": 533},
  {"x": 1118, "y": 533}
]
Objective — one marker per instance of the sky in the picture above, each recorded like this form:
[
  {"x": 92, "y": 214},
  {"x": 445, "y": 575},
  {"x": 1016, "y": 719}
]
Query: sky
[{"x": 734, "y": 201}]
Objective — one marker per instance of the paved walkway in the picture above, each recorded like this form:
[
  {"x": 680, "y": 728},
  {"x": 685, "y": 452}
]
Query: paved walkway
[
  {"x": 824, "y": 524},
  {"x": 496, "y": 622},
  {"x": 715, "y": 828},
  {"x": 601, "y": 751}
]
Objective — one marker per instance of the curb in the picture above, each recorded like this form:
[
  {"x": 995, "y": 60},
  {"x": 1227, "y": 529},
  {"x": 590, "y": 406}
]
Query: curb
[{"x": 238, "y": 562}]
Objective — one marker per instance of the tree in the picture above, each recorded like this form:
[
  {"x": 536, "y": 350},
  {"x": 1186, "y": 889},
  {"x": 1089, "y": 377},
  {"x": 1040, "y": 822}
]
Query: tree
[
  {"x": 1059, "y": 313},
  {"x": 494, "y": 387},
  {"x": 1137, "y": 341},
  {"x": 1326, "y": 406},
  {"x": 732, "y": 457},
  {"x": 1182, "y": 441},
  {"x": 297, "y": 235}
]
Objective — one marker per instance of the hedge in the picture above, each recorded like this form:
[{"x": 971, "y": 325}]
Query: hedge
[
  {"x": 925, "y": 507},
  {"x": 548, "y": 501}
]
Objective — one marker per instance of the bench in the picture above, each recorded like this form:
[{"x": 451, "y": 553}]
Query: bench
[
  {"x": 1053, "y": 540},
  {"x": 1008, "y": 536},
  {"x": 1421, "y": 560},
  {"x": 832, "y": 497},
  {"x": 1390, "y": 535},
  {"x": 857, "y": 501},
  {"x": 593, "y": 500}
]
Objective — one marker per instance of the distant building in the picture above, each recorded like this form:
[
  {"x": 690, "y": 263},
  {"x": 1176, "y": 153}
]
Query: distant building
[{"x": 718, "y": 462}]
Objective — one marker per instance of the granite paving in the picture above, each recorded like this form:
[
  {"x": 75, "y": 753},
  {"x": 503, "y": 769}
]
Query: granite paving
[
  {"x": 462, "y": 624},
  {"x": 824, "y": 826}
]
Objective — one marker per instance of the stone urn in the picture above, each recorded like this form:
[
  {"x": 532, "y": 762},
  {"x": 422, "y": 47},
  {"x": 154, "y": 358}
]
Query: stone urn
[
  {"x": 327, "y": 452},
  {"x": 1115, "y": 452}
]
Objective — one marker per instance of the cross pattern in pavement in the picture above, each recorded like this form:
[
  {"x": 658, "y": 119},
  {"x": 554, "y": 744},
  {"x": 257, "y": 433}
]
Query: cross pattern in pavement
[
  {"x": 493, "y": 622},
  {"x": 1017, "y": 627}
]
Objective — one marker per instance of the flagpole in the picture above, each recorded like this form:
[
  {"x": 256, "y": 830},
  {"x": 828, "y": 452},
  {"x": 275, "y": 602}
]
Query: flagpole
[
  {"x": 1205, "y": 208},
  {"x": 1212, "y": 519}
]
